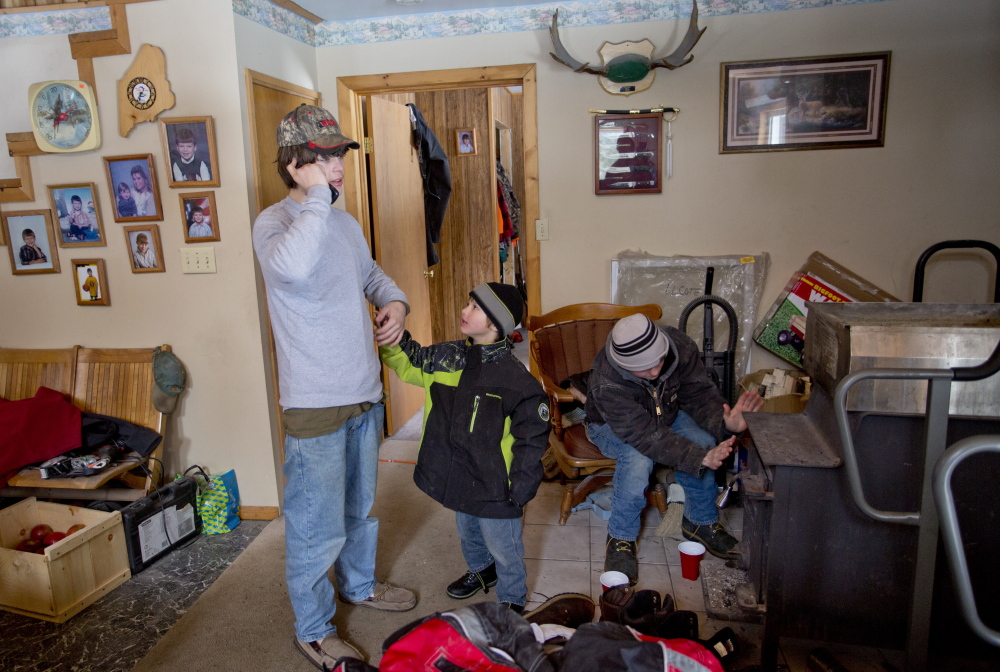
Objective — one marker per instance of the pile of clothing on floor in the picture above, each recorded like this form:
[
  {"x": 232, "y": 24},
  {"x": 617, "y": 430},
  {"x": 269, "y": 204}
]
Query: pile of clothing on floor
[{"x": 637, "y": 632}]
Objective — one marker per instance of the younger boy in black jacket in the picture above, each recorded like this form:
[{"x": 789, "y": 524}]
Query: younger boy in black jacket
[{"x": 486, "y": 425}]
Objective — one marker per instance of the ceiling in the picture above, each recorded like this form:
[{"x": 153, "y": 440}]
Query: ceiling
[{"x": 349, "y": 10}]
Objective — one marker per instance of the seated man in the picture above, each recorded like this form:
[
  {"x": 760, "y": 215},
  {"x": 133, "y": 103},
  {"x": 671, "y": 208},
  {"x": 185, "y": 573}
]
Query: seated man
[{"x": 649, "y": 401}]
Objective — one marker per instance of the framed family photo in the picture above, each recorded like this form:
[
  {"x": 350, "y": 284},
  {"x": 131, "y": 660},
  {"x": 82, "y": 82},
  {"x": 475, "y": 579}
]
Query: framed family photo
[
  {"x": 78, "y": 213},
  {"x": 465, "y": 140},
  {"x": 134, "y": 194},
  {"x": 189, "y": 145},
  {"x": 31, "y": 241},
  {"x": 91, "y": 282},
  {"x": 819, "y": 102},
  {"x": 145, "y": 253},
  {"x": 201, "y": 222}
]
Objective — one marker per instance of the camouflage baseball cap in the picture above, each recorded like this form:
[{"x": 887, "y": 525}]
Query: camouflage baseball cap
[{"x": 314, "y": 128}]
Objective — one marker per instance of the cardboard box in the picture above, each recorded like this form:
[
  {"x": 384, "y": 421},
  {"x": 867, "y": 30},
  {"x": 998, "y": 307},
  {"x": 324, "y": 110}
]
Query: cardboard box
[
  {"x": 71, "y": 574},
  {"x": 782, "y": 331},
  {"x": 795, "y": 402}
]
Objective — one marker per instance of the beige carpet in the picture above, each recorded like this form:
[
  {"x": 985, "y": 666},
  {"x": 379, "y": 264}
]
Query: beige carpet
[{"x": 243, "y": 622}]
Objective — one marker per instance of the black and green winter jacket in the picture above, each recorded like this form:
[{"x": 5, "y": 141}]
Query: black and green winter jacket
[{"x": 486, "y": 425}]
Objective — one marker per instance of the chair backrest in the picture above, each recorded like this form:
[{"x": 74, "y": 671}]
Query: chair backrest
[
  {"x": 566, "y": 340},
  {"x": 587, "y": 311},
  {"x": 22, "y": 372},
  {"x": 118, "y": 382}
]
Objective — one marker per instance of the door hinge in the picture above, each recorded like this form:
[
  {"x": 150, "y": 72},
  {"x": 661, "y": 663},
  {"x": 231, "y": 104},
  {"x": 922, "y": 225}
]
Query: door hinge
[{"x": 369, "y": 146}]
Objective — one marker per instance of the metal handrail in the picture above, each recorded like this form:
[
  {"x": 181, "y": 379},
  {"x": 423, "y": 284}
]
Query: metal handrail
[
  {"x": 918, "y": 273},
  {"x": 943, "y": 472},
  {"x": 938, "y": 400},
  {"x": 942, "y": 377}
]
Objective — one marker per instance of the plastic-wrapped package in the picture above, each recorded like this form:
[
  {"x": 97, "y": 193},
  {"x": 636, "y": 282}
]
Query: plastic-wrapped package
[{"x": 674, "y": 282}]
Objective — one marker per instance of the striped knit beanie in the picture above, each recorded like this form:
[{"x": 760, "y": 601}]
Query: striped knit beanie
[
  {"x": 637, "y": 344},
  {"x": 502, "y": 304}
]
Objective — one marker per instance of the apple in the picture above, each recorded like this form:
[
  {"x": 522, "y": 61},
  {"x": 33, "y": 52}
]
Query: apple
[
  {"x": 38, "y": 532},
  {"x": 53, "y": 537},
  {"x": 28, "y": 545},
  {"x": 75, "y": 528}
]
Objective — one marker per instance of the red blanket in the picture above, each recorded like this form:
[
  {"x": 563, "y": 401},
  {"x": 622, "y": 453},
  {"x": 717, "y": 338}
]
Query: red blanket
[{"x": 35, "y": 430}]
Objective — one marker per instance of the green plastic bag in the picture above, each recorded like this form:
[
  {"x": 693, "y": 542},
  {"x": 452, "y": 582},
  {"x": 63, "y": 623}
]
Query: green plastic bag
[{"x": 218, "y": 501}]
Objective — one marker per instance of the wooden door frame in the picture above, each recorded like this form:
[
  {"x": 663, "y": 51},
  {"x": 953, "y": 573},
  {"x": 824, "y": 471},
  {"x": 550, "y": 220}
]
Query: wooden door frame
[
  {"x": 254, "y": 78},
  {"x": 259, "y": 78},
  {"x": 351, "y": 90}
]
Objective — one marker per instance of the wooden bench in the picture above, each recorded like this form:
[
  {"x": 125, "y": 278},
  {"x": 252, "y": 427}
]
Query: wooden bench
[{"x": 111, "y": 381}]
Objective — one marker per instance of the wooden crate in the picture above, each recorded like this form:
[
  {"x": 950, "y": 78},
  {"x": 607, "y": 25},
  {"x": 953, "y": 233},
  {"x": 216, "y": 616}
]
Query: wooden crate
[{"x": 73, "y": 573}]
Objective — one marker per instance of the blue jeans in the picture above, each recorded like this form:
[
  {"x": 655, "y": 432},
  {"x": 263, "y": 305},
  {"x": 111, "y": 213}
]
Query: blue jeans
[
  {"x": 329, "y": 491},
  {"x": 496, "y": 540},
  {"x": 632, "y": 471}
]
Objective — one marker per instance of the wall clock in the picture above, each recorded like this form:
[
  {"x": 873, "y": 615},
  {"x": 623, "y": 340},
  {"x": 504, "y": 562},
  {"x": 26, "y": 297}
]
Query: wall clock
[
  {"x": 63, "y": 116},
  {"x": 144, "y": 91},
  {"x": 141, "y": 93}
]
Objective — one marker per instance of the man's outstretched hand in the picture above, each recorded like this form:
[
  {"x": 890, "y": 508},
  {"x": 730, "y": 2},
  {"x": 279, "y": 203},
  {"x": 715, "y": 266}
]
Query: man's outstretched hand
[
  {"x": 714, "y": 458},
  {"x": 749, "y": 402}
]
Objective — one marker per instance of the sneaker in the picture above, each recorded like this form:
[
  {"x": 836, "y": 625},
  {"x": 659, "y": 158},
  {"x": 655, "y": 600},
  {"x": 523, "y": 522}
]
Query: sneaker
[
  {"x": 472, "y": 582},
  {"x": 325, "y": 654},
  {"x": 620, "y": 557},
  {"x": 516, "y": 608},
  {"x": 713, "y": 537},
  {"x": 386, "y": 598},
  {"x": 569, "y": 610}
]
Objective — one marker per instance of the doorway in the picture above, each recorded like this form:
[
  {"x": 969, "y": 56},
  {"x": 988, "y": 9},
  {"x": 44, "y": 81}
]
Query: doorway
[
  {"x": 351, "y": 92},
  {"x": 268, "y": 100}
]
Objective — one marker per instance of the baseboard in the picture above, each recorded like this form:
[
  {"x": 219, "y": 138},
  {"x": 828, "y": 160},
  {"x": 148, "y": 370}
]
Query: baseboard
[{"x": 258, "y": 512}]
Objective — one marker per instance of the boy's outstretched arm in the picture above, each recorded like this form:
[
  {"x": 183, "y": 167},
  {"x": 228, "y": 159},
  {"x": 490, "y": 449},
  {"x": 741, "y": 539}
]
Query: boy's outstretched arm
[{"x": 407, "y": 359}]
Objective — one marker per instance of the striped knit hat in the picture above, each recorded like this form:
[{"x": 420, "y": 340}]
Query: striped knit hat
[
  {"x": 637, "y": 344},
  {"x": 502, "y": 304}
]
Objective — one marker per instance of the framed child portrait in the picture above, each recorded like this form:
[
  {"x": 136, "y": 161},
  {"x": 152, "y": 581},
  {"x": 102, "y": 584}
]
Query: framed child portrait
[
  {"x": 78, "y": 213},
  {"x": 465, "y": 140},
  {"x": 91, "y": 281},
  {"x": 201, "y": 223},
  {"x": 31, "y": 240},
  {"x": 134, "y": 194},
  {"x": 145, "y": 253},
  {"x": 189, "y": 145}
]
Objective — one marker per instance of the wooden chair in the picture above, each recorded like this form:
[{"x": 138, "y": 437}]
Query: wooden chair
[
  {"x": 116, "y": 382},
  {"x": 22, "y": 372},
  {"x": 563, "y": 343}
]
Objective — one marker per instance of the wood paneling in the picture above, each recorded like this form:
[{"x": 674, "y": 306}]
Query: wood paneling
[{"x": 468, "y": 247}]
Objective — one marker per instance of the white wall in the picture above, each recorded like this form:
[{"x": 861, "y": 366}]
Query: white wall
[
  {"x": 873, "y": 210},
  {"x": 211, "y": 321}
]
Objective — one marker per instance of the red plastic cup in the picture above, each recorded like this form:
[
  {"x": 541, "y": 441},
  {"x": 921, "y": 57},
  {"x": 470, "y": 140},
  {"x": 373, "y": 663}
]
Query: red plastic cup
[
  {"x": 612, "y": 579},
  {"x": 691, "y": 554}
]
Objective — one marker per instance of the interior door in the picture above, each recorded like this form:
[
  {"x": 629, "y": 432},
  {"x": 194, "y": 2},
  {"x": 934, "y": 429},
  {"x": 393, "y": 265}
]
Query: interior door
[{"x": 399, "y": 236}]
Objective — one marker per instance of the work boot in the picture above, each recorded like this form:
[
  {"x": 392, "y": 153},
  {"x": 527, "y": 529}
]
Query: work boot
[
  {"x": 713, "y": 537},
  {"x": 516, "y": 608},
  {"x": 678, "y": 625},
  {"x": 472, "y": 582},
  {"x": 641, "y": 610},
  {"x": 570, "y": 610},
  {"x": 613, "y": 601},
  {"x": 619, "y": 556}
]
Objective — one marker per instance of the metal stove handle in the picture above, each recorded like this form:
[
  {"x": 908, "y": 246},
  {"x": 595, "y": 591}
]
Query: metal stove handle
[{"x": 952, "y": 534}]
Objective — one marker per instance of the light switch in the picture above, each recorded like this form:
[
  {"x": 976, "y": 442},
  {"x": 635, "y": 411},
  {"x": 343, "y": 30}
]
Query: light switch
[
  {"x": 541, "y": 229},
  {"x": 198, "y": 260}
]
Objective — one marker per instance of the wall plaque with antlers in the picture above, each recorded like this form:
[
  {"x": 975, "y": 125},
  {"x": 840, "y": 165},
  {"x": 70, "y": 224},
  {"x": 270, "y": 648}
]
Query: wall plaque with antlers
[{"x": 628, "y": 66}]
